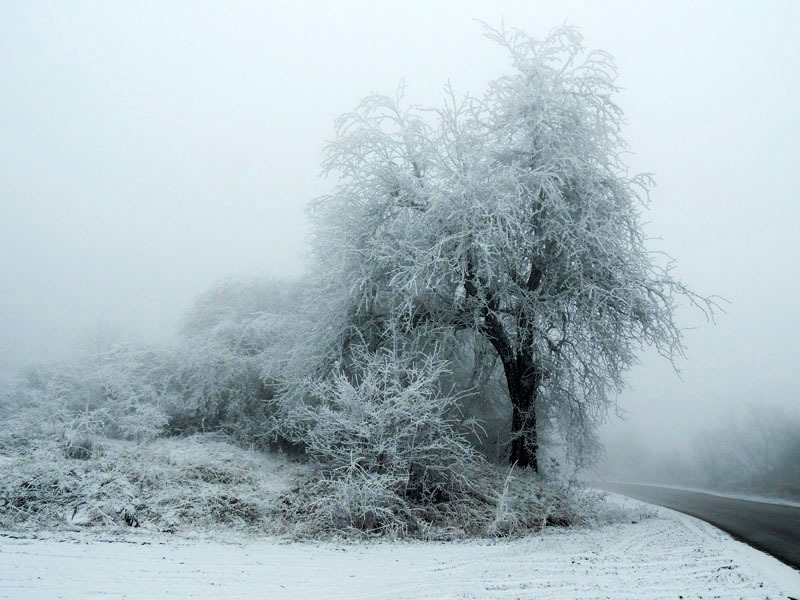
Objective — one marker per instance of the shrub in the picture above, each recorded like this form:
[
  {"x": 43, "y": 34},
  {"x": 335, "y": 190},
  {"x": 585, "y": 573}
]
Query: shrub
[
  {"x": 218, "y": 383},
  {"x": 116, "y": 393},
  {"x": 388, "y": 444},
  {"x": 393, "y": 459},
  {"x": 226, "y": 373},
  {"x": 79, "y": 448},
  {"x": 167, "y": 484}
]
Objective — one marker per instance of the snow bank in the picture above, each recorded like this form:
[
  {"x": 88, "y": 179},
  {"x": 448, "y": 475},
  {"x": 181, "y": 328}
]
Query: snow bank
[{"x": 669, "y": 556}]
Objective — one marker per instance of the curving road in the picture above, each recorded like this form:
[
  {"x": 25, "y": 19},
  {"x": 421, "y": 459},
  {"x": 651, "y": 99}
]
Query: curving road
[{"x": 772, "y": 528}]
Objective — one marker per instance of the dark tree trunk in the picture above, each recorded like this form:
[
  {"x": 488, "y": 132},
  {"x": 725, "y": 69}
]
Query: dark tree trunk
[
  {"x": 523, "y": 382},
  {"x": 522, "y": 375}
]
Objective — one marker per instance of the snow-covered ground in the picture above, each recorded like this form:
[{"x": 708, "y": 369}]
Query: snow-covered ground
[{"x": 670, "y": 556}]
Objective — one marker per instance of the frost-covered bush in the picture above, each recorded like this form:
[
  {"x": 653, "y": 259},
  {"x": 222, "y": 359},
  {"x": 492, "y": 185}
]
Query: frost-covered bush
[
  {"x": 26, "y": 415},
  {"x": 388, "y": 416},
  {"x": 166, "y": 484},
  {"x": 124, "y": 391},
  {"x": 219, "y": 377},
  {"x": 227, "y": 367},
  {"x": 216, "y": 388},
  {"x": 393, "y": 459},
  {"x": 389, "y": 445},
  {"x": 116, "y": 393},
  {"x": 239, "y": 301}
]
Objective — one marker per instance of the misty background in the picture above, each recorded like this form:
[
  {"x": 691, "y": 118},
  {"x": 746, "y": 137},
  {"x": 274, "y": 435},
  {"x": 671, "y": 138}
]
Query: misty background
[{"x": 148, "y": 150}]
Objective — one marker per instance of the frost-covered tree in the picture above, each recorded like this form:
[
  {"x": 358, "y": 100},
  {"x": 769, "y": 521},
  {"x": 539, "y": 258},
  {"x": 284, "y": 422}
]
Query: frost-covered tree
[{"x": 512, "y": 215}]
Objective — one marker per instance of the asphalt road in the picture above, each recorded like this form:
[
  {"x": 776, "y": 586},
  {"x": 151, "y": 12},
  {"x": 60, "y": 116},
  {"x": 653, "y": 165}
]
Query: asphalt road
[{"x": 772, "y": 528}]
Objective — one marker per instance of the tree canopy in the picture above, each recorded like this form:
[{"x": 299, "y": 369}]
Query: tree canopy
[{"x": 512, "y": 215}]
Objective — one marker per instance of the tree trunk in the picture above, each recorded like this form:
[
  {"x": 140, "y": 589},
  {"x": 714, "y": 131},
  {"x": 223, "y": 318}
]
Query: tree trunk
[
  {"x": 523, "y": 382},
  {"x": 522, "y": 375}
]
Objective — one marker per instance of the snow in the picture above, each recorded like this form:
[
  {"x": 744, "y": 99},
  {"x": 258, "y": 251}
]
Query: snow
[{"x": 667, "y": 556}]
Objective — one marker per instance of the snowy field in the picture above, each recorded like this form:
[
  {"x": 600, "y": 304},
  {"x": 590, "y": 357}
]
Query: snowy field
[{"x": 670, "y": 556}]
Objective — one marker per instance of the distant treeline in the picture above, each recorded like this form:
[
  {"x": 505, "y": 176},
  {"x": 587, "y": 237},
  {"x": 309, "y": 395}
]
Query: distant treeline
[{"x": 755, "y": 449}]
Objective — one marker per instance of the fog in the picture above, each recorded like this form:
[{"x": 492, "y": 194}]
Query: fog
[{"x": 149, "y": 149}]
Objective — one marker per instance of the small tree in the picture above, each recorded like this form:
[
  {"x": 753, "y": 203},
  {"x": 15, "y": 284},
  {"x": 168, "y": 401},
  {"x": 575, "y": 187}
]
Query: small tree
[{"x": 513, "y": 216}]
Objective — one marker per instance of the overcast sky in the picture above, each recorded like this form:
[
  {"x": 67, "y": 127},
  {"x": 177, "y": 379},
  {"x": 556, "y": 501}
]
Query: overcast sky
[{"x": 148, "y": 149}]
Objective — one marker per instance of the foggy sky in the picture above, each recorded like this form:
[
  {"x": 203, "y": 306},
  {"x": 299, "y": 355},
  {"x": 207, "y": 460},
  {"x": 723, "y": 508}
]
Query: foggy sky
[{"x": 148, "y": 149}]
